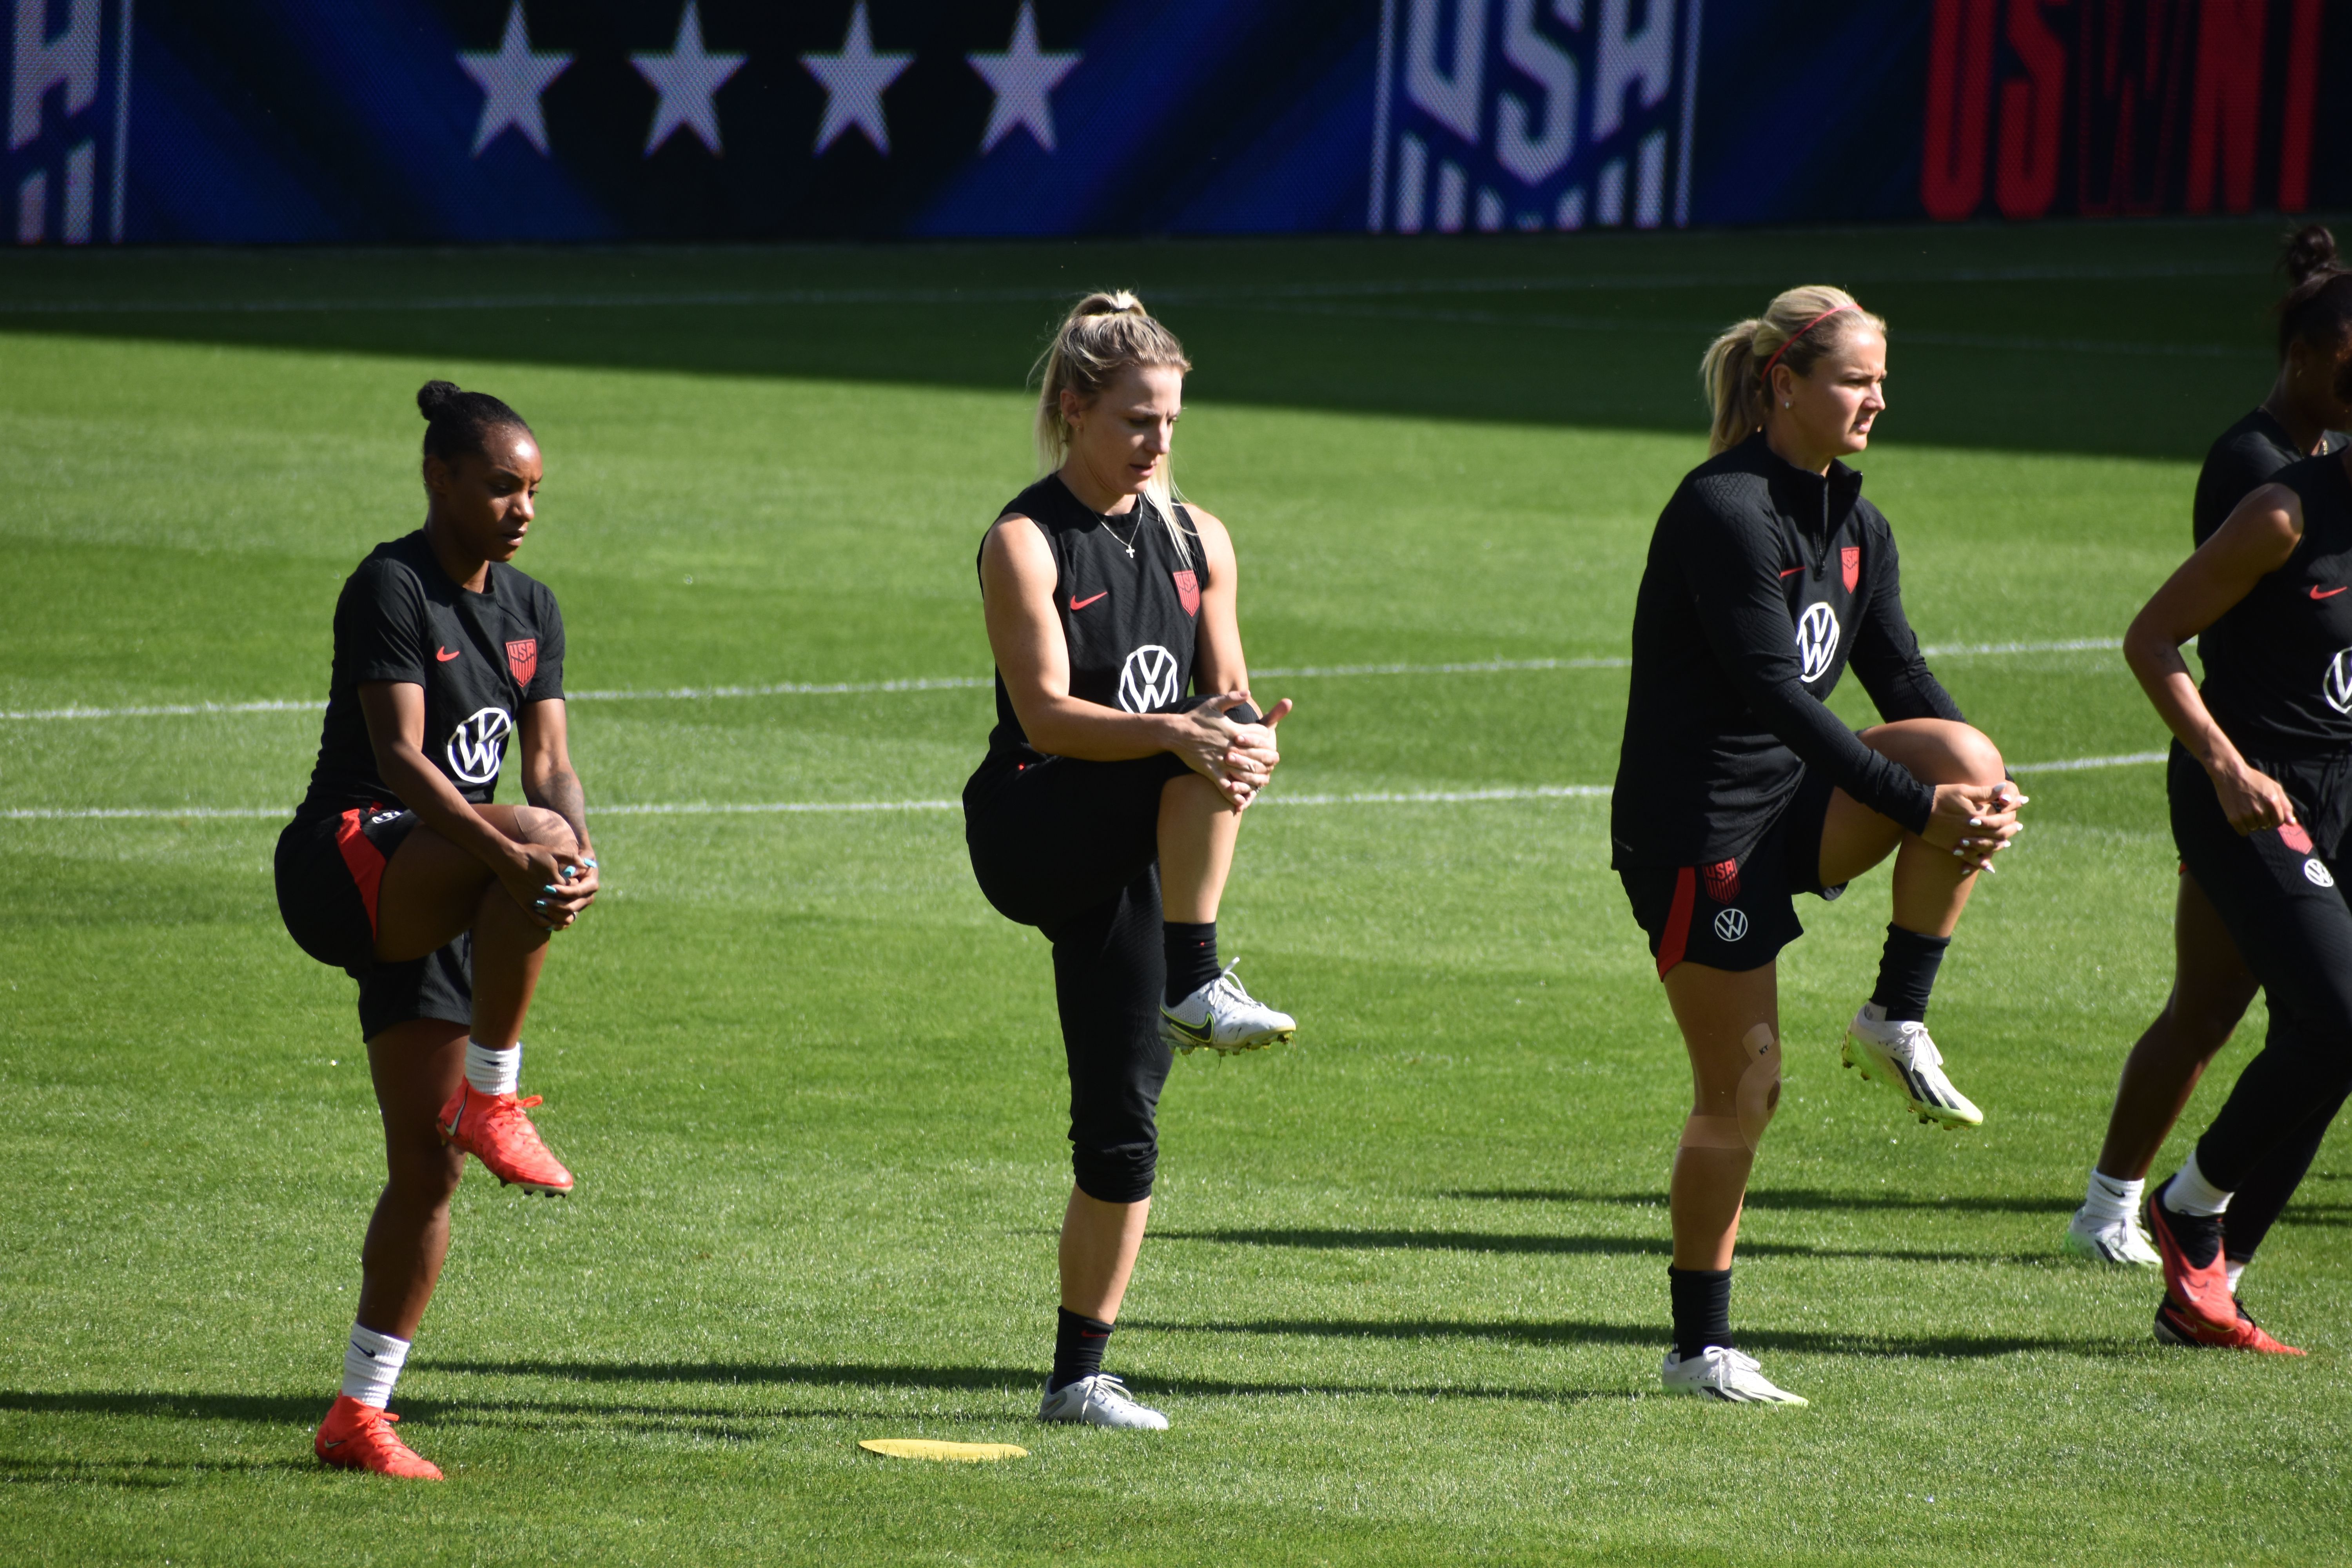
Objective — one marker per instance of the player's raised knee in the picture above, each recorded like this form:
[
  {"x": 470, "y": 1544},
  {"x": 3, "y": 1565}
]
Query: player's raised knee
[{"x": 543, "y": 827}]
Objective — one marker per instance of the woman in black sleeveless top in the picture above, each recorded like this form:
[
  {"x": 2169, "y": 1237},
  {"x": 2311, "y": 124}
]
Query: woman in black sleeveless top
[
  {"x": 2260, "y": 787},
  {"x": 1110, "y": 789},
  {"x": 2212, "y": 986}
]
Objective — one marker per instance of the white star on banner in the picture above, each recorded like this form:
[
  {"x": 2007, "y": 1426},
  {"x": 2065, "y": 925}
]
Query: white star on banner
[
  {"x": 511, "y": 80},
  {"x": 853, "y": 82},
  {"x": 688, "y": 81},
  {"x": 1023, "y": 78}
]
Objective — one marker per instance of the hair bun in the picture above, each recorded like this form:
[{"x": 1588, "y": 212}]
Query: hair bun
[
  {"x": 1111, "y": 303},
  {"x": 434, "y": 398},
  {"x": 2308, "y": 252}
]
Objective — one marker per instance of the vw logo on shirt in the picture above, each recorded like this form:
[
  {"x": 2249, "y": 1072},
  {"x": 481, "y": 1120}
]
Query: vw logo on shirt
[
  {"x": 478, "y": 745},
  {"x": 1817, "y": 640},
  {"x": 2337, "y": 684},
  {"x": 1146, "y": 682}
]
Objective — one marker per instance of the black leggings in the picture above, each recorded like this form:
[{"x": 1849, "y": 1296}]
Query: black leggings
[
  {"x": 2281, "y": 894},
  {"x": 1073, "y": 849}
]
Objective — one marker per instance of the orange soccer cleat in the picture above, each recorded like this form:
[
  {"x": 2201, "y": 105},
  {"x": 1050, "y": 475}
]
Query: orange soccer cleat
[
  {"x": 2194, "y": 1274},
  {"x": 2175, "y": 1327},
  {"x": 493, "y": 1129},
  {"x": 356, "y": 1437}
]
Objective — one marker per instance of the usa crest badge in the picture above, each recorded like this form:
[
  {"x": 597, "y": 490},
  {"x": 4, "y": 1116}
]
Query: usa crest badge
[
  {"x": 1722, "y": 881},
  {"x": 1850, "y": 558},
  {"x": 522, "y": 658},
  {"x": 1188, "y": 589}
]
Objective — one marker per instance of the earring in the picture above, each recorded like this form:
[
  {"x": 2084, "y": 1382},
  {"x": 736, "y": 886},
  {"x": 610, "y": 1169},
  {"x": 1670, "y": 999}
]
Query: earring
[{"x": 1786, "y": 404}]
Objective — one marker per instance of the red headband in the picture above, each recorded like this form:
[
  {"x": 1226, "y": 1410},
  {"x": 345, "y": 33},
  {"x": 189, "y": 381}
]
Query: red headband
[{"x": 1766, "y": 374}]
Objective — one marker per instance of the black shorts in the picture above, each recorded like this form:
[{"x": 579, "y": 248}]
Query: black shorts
[
  {"x": 329, "y": 871},
  {"x": 1055, "y": 835},
  {"x": 1738, "y": 914}
]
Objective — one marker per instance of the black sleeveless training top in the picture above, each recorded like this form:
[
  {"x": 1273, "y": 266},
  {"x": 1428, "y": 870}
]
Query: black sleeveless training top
[
  {"x": 2242, "y": 459},
  {"x": 1129, "y": 615},
  {"x": 2278, "y": 664}
]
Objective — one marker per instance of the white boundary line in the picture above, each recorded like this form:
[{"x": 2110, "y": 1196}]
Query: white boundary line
[
  {"x": 968, "y": 682},
  {"x": 848, "y": 807}
]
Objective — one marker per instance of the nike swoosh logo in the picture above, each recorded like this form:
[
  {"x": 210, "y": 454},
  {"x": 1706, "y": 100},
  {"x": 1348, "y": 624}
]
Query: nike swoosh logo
[
  {"x": 2329, "y": 594},
  {"x": 1792, "y": 571},
  {"x": 445, "y": 655},
  {"x": 1082, "y": 604},
  {"x": 335, "y": 1442},
  {"x": 1201, "y": 1033}
]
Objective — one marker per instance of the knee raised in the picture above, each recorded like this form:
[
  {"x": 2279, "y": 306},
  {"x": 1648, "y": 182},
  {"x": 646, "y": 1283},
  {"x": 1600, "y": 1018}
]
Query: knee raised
[
  {"x": 541, "y": 827},
  {"x": 1962, "y": 754}
]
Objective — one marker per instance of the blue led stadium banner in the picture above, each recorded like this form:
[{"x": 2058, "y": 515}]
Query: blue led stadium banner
[{"x": 458, "y": 120}]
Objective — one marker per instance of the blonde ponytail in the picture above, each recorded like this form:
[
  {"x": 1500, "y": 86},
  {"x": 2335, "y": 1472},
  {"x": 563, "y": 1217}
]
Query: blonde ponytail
[
  {"x": 1800, "y": 325},
  {"x": 1104, "y": 334}
]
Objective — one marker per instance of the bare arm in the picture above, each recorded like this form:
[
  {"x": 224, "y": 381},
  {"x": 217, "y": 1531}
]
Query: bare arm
[
  {"x": 2256, "y": 540},
  {"x": 1024, "y": 633},
  {"x": 1218, "y": 663},
  {"x": 394, "y": 712},
  {"x": 549, "y": 782}
]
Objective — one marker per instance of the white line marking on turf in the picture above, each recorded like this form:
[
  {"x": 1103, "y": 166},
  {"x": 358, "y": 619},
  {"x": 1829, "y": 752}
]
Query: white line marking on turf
[
  {"x": 833, "y": 807},
  {"x": 968, "y": 682}
]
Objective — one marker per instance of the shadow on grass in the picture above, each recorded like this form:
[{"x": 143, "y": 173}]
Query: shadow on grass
[
  {"x": 1925, "y": 1347},
  {"x": 1571, "y": 1246},
  {"x": 1023, "y": 1382},
  {"x": 1778, "y": 1198}
]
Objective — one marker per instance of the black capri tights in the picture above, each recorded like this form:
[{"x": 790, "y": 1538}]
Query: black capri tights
[
  {"x": 2282, "y": 895},
  {"x": 1073, "y": 849}
]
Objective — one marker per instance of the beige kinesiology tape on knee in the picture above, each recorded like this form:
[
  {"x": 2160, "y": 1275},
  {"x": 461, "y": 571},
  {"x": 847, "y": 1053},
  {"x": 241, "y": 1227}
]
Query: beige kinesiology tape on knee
[
  {"x": 1758, "y": 1094},
  {"x": 1713, "y": 1132}
]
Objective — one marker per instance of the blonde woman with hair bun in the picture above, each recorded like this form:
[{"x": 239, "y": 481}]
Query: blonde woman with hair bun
[
  {"x": 1126, "y": 751},
  {"x": 1737, "y": 787}
]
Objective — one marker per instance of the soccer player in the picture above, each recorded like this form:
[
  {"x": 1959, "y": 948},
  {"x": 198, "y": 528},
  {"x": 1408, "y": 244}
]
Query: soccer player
[
  {"x": 1107, "y": 810},
  {"x": 1738, "y": 788},
  {"x": 398, "y": 869},
  {"x": 2212, "y": 986},
  {"x": 2260, "y": 787}
]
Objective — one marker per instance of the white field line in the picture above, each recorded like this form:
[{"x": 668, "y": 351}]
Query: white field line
[
  {"x": 842, "y": 807},
  {"x": 967, "y": 682}
]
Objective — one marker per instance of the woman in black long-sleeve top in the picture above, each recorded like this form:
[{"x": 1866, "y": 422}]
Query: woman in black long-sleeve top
[{"x": 1738, "y": 788}]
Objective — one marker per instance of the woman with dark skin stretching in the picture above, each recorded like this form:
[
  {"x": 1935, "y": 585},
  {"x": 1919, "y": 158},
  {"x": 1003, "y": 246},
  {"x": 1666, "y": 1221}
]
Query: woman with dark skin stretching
[
  {"x": 399, "y": 869},
  {"x": 2212, "y": 986}
]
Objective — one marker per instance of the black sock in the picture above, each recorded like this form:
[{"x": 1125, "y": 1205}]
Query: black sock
[
  {"x": 1701, "y": 1302},
  {"x": 1191, "y": 953},
  {"x": 1907, "y": 973},
  {"x": 1077, "y": 1349}
]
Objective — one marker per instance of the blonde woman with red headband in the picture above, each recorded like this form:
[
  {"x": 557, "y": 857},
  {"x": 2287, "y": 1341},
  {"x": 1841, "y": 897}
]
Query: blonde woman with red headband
[{"x": 1738, "y": 788}]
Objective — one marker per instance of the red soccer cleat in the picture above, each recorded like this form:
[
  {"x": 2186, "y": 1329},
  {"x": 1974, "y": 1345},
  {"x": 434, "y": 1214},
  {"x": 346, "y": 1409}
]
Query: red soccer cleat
[
  {"x": 2202, "y": 1290},
  {"x": 356, "y": 1437},
  {"x": 2175, "y": 1327},
  {"x": 493, "y": 1129}
]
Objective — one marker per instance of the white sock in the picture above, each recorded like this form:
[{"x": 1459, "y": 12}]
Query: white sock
[
  {"x": 2109, "y": 1199},
  {"x": 2236, "y": 1270},
  {"x": 371, "y": 1364},
  {"x": 2190, "y": 1193},
  {"x": 493, "y": 1072}
]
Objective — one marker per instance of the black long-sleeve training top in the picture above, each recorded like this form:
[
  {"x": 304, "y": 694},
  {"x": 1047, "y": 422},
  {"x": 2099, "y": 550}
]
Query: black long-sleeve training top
[{"x": 1763, "y": 581}]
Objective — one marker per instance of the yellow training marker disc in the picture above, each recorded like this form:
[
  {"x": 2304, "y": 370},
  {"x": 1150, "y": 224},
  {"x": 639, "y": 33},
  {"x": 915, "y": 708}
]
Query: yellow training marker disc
[{"x": 952, "y": 1453}]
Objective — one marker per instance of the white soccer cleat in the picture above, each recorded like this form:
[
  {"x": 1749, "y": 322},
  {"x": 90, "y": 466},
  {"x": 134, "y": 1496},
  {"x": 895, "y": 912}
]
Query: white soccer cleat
[
  {"x": 1721, "y": 1373},
  {"x": 2116, "y": 1241},
  {"x": 1224, "y": 1018},
  {"x": 1099, "y": 1401},
  {"x": 1902, "y": 1056}
]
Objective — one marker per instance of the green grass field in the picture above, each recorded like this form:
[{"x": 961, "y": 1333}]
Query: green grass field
[{"x": 1405, "y": 1302}]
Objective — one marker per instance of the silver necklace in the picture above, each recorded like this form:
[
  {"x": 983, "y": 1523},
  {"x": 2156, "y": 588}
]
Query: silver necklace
[{"x": 1128, "y": 544}]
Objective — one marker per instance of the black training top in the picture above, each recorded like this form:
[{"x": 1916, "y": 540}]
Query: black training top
[
  {"x": 2278, "y": 664},
  {"x": 1762, "y": 580},
  {"x": 1129, "y": 607},
  {"x": 480, "y": 656},
  {"x": 2245, "y": 456}
]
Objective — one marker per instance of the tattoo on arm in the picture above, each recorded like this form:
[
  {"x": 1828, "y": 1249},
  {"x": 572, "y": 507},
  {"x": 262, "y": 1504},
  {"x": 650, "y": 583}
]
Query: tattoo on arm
[{"x": 559, "y": 793}]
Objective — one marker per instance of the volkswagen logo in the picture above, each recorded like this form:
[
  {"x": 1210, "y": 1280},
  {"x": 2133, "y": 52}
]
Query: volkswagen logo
[
  {"x": 2337, "y": 684},
  {"x": 1817, "y": 640},
  {"x": 2315, "y": 872},
  {"x": 1731, "y": 925},
  {"x": 1147, "y": 682},
  {"x": 479, "y": 744}
]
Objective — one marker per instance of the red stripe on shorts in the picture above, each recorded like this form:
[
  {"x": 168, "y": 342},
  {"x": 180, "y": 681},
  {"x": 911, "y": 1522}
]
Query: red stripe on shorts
[
  {"x": 365, "y": 860},
  {"x": 1678, "y": 919}
]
